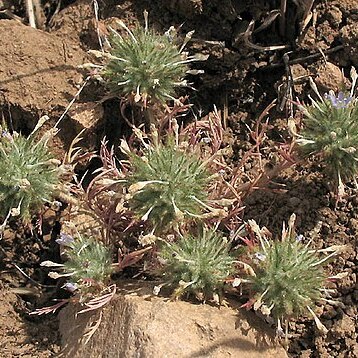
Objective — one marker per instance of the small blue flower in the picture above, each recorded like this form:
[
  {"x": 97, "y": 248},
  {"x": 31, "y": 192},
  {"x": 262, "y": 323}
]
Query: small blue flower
[
  {"x": 65, "y": 239},
  {"x": 341, "y": 101},
  {"x": 7, "y": 135},
  {"x": 299, "y": 238},
  {"x": 69, "y": 286}
]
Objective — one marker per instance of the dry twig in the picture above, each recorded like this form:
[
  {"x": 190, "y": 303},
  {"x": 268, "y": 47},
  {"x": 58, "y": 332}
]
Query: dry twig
[
  {"x": 283, "y": 17},
  {"x": 30, "y": 13}
]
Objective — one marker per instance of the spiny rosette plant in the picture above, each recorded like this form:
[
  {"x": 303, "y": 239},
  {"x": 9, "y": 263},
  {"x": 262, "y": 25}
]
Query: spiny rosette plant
[
  {"x": 88, "y": 263},
  {"x": 170, "y": 180},
  {"x": 88, "y": 267},
  {"x": 145, "y": 65},
  {"x": 288, "y": 276},
  {"x": 29, "y": 174},
  {"x": 330, "y": 129},
  {"x": 197, "y": 264},
  {"x": 167, "y": 184}
]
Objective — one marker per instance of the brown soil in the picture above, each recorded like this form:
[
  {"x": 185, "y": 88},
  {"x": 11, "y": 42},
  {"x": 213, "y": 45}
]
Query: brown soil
[
  {"x": 39, "y": 75},
  {"x": 307, "y": 195},
  {"x": 20, "y": 337}
]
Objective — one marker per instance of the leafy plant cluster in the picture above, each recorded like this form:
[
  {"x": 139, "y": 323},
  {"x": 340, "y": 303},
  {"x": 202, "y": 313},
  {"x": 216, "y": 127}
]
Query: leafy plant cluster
[
  {"x": 88, "y": 263},
  {"x": 172, "y": 200},
  {"x": 167, "y": 185},
  {"x": 30, "y": 175},
  {"x": 288, "y": 275},
  {"x": 198, "y": 264},
  {"x": 330, "y": 130},
  {"x": 145, "y": 66}
]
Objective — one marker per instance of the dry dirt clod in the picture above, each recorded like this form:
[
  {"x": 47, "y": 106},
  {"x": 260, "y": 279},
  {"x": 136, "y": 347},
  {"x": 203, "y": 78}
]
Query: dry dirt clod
[
  {"x": 329, "y": 77},
  {"x": 87, "y": 115},
  {"x": 300, "y": 76},
  {"x": 349, "y": 36},
  {"x": 345, "y": 327},
  {"x": 334, "y": 15}
]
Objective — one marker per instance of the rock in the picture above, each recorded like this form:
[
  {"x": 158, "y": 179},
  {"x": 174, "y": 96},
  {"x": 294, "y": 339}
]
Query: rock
[
  {"x": 353, "y": 224},
  {"x": 137, "y": 324},
  {"x": 325, "y": 35},
  {"x": 344, "y": 327},
  {"x": 349, "y": 37},
  {"x": 352, "y": 344},
  {"x": 329, "y": 77},
  {"x": 330, "y": 313},
  {"x": 334, "y": 16},
  {"x": 300, "y": 75}
]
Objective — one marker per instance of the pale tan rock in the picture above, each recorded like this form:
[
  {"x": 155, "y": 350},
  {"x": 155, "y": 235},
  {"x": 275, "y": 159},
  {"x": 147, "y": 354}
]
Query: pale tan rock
[{"x": 138, "y": 324}]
